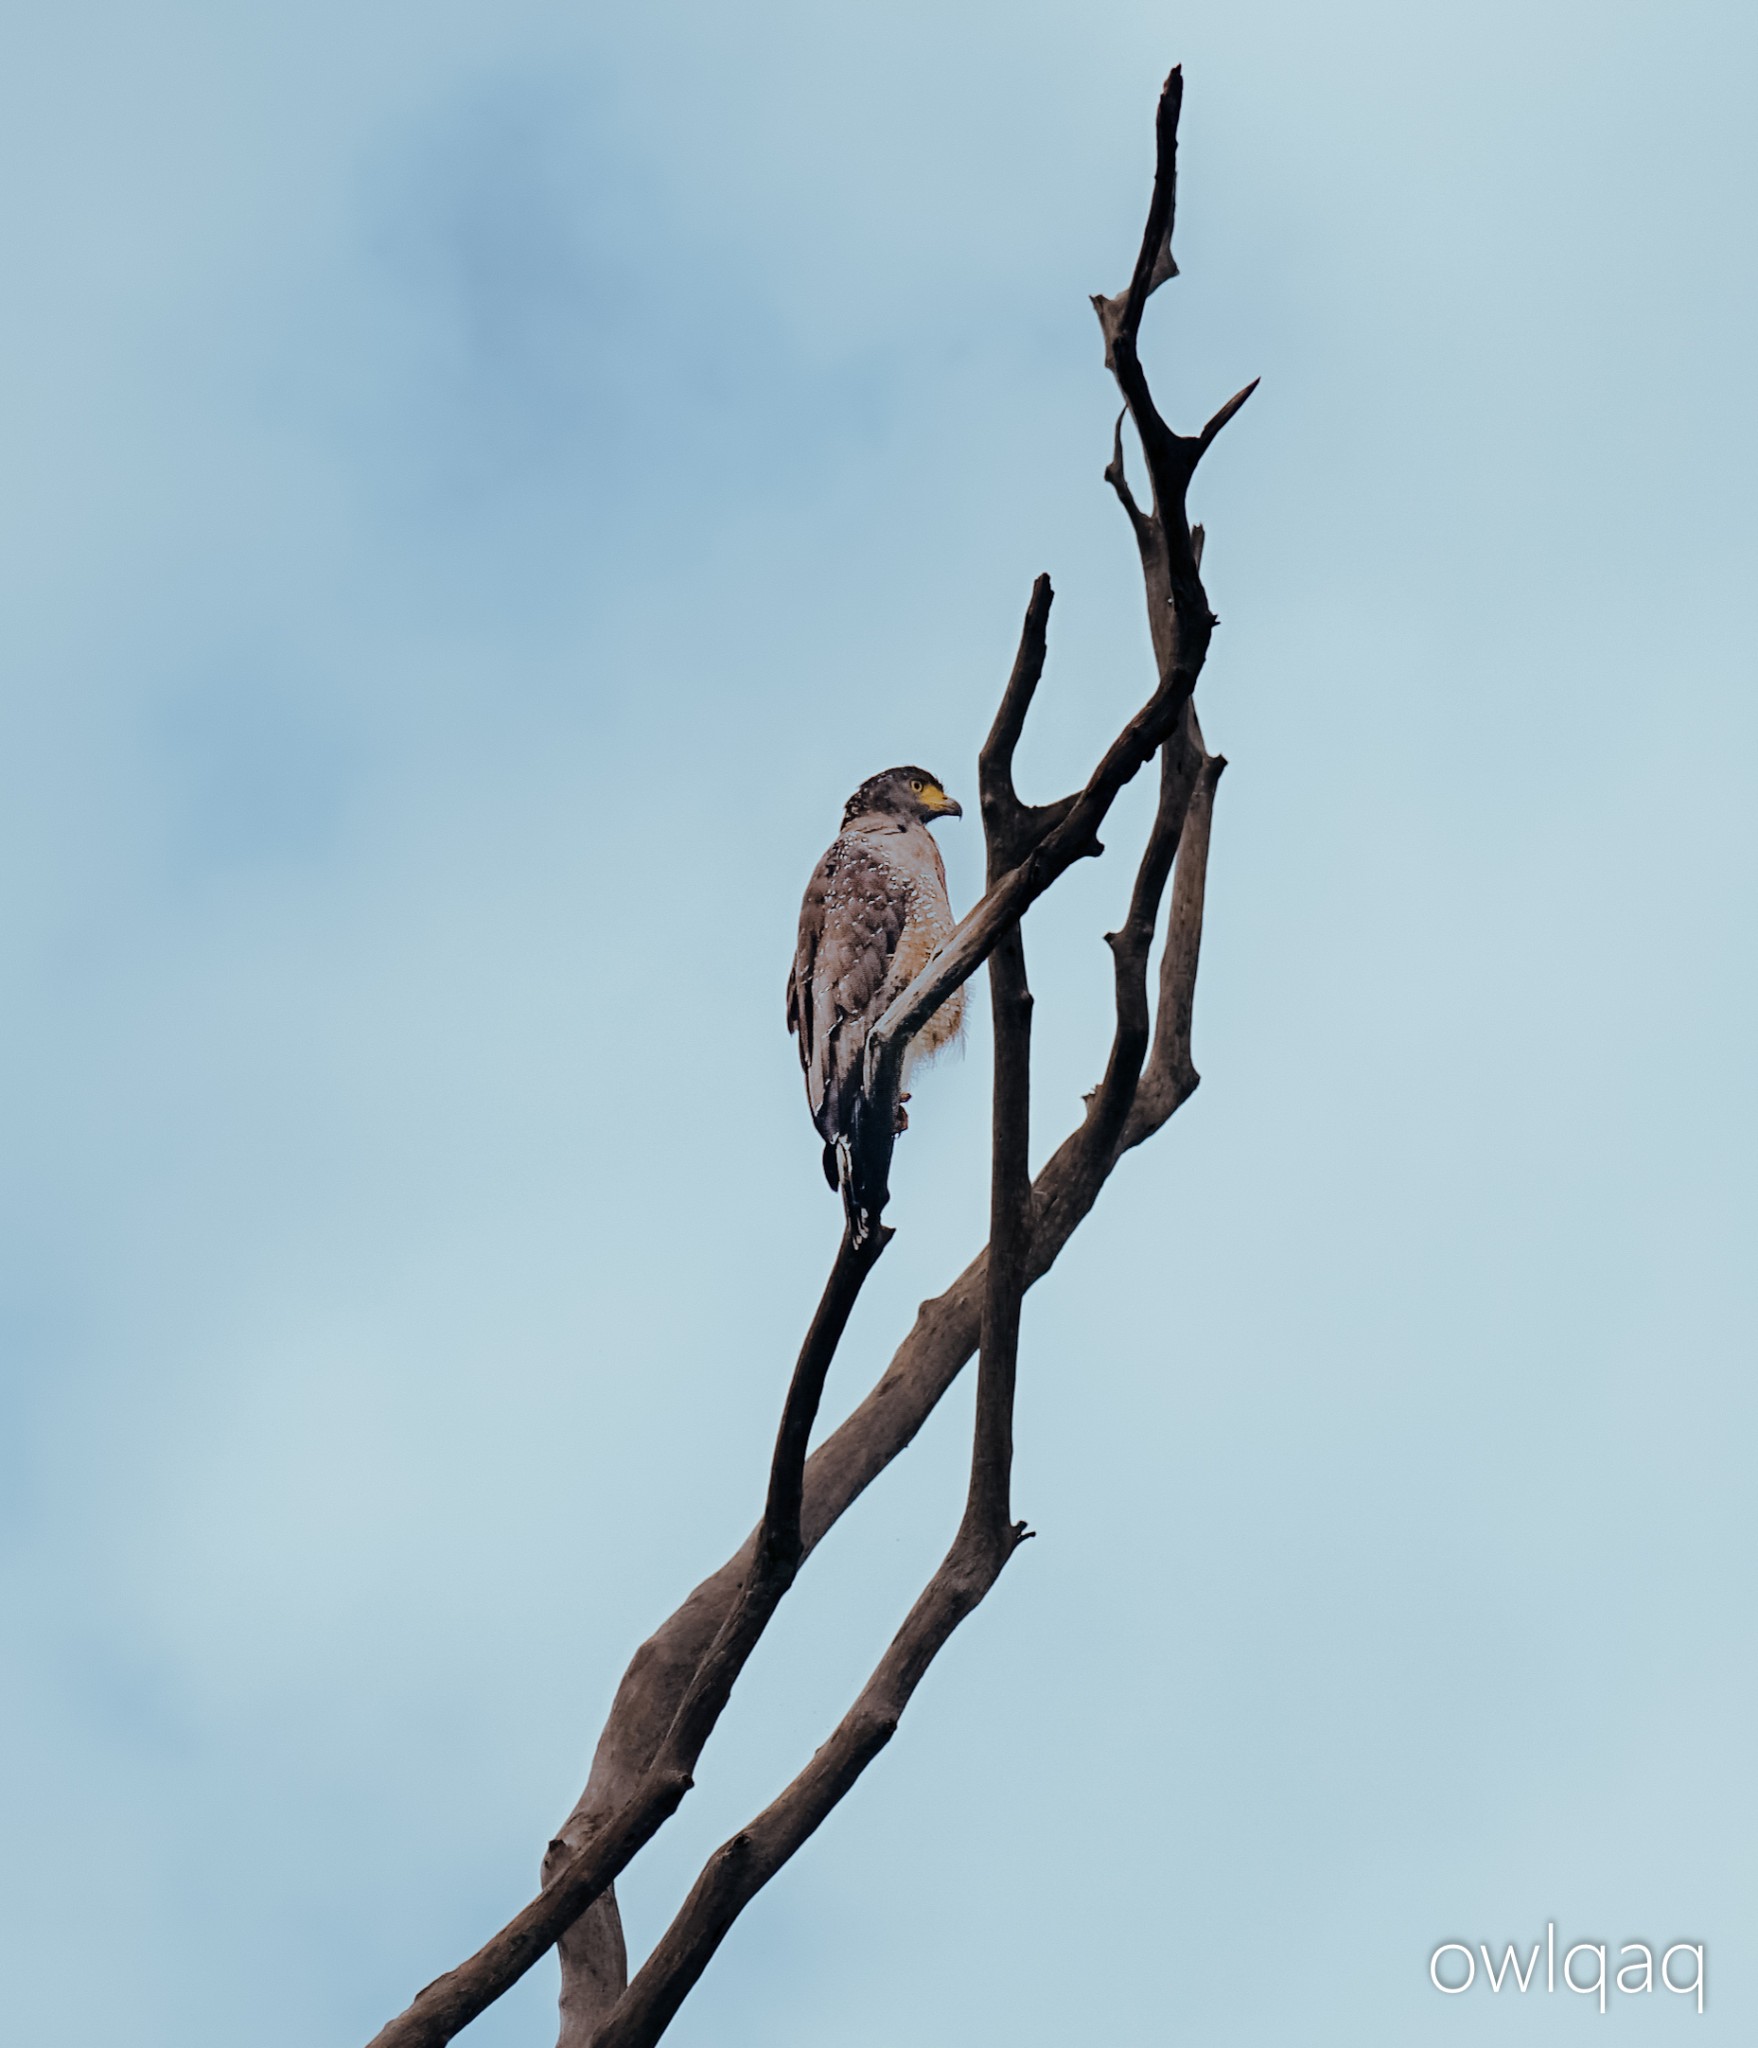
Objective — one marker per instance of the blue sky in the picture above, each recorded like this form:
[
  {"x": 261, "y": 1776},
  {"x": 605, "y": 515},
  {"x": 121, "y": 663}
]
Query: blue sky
[{"x": 482, "y": 485}]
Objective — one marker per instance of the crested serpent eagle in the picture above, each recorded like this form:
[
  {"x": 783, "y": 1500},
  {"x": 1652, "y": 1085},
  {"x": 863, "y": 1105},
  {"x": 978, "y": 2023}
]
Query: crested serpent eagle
[{"x": 875, "y": 910}]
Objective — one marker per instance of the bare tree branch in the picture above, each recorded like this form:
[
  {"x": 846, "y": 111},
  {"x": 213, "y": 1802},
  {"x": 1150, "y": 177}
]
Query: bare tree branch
[
  {"x": 1117, "y": 476},
  {"x": 576, "y": 1877},
  {"x": 679, "y": 1680},
  {"x": 740, "y": 1867},
  {"x": 448, "y": 2005},
  {"x": 1177, "y": 609},
  {"x": 1154, "y": 265},
  {"x": 1180, "y": 760},
  {"x": 744, "y": 1864},
  {"x": 1010, "y": 826},
  {"x": 989, "y": 1507},
  {"x": 1003, "y": 904},
  {"x": 946, "y": 1330},
  {"x": 942, "y": 1341},
  {"x": 945, "y": 1336},
  {"x": 1170, "y": 1079},
  {"x": 1181, "y": 624},
  {"x": 986, "y": 1539},
  {"x": 778, "y": 1551}
]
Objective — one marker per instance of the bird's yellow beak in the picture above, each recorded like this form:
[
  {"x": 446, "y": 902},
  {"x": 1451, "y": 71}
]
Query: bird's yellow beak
[{"x": 942, "y": 805}]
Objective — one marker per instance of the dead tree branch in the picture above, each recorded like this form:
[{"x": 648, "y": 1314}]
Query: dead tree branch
[
  {"x": 1009, "y": 826},
  {"x": 577, "y": 1878},
  {"x": 945, "y": 1336},
  {"x": 987, "y": 1536},
  {"x": 745, "y": 1863},
  {"x": 679, "y": 1680},
  {"x": 1053, "y": 838}
]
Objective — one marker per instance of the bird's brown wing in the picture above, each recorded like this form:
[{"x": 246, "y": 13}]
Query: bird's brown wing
[{"x": 850, "y": 922}]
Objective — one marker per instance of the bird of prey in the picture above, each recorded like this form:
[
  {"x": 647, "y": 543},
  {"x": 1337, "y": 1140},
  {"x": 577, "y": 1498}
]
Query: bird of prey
[{"x": 874, "y": 912}]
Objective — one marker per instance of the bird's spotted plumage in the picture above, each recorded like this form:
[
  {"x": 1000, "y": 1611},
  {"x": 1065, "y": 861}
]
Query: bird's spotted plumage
[{"x": 874, "y": 913}]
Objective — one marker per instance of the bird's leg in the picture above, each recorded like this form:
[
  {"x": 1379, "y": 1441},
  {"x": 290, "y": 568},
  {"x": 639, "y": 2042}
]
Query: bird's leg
[{"x": 901, "y": 1122}]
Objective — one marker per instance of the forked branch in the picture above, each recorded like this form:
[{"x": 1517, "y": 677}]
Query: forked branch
[
  {"x": 1181, "y": 625},
  {"x": 987, "y": 1537},
  {"x": 578, "y": 1875},
  {"x": 678, "y": 1682}
]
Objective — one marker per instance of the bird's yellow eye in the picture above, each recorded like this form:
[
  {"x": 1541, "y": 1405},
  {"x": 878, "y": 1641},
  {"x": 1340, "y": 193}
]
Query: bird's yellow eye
[{"x": 916, "y": 784}]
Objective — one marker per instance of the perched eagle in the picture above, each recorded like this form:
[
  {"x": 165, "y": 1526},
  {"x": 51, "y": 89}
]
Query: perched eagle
[{"x": 875, "y": 910}]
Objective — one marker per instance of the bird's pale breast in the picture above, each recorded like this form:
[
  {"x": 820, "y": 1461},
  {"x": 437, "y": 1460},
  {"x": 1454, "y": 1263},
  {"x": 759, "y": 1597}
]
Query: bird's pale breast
[{"x": 914, "y": 859}]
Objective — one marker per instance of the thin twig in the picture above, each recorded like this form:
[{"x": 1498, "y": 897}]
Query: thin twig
[{"x": 1010, "y": 826}]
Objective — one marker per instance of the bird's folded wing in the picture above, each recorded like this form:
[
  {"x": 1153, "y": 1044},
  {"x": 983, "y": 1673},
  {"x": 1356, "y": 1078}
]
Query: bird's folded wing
[{"x": 850, "y": 923}]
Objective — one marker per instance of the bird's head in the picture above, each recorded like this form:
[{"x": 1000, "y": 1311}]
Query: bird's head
[{"x": 907, "y": 793}]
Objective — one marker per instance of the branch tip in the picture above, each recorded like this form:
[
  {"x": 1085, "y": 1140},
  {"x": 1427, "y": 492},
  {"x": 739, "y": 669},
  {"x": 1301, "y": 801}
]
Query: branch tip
[{"x": 1226, "y": 412}]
